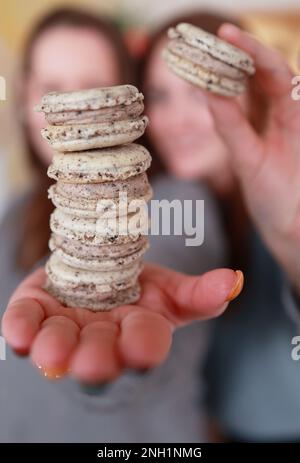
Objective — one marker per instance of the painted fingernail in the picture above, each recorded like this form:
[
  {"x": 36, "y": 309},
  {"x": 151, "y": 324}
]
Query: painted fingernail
[
  {"x": 237, "y": 287},
  {"x": 53, "y": 373}
]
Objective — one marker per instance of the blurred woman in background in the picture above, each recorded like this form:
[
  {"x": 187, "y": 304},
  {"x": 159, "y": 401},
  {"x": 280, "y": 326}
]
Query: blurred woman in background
[
  {"x": 252, "y": 382},
  {"x": 70, "y": 50}
]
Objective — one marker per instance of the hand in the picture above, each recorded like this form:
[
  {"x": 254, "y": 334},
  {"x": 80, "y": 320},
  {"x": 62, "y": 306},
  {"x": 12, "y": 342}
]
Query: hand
[
  {"x": 267, "y": 165},
  {"x": 96, "y": 347}
]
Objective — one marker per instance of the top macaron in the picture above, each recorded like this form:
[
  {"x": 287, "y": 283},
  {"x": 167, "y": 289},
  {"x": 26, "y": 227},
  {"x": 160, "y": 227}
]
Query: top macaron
[
  {"x": 207, "y": 61},
  {"x": 93, "y": 118}
]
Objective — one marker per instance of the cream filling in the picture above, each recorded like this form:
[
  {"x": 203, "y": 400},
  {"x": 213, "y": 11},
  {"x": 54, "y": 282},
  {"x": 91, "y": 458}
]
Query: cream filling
[
  {"x": 206, "y": 76},
  {"x": 102, "y": 115}
]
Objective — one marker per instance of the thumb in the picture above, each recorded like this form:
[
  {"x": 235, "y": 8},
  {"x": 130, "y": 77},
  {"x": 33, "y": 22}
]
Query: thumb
[
  {"x": 207, "y": 296},
  {"x": 244, "y": 145},
  {"x": 190, "y": 298}
]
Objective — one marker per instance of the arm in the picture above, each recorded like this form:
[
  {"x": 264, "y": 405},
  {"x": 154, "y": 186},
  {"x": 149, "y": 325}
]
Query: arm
[{"x": 267, "y": 165}]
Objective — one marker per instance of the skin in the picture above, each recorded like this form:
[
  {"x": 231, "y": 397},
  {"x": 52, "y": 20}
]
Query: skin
[{"x": 72, "y": 71}]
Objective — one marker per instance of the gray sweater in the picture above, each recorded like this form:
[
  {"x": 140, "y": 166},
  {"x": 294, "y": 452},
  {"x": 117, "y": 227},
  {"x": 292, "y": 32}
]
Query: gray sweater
[{"x": 161, "y": 406}]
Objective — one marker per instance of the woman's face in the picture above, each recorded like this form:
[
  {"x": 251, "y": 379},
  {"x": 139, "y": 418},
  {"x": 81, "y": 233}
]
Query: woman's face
[
  {"x": 65, "y": 58},
  {"x": 181, "y": 125}
]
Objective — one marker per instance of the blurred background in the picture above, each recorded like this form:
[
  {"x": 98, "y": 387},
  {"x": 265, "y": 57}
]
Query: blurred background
[{"x": 275, "y": 23}]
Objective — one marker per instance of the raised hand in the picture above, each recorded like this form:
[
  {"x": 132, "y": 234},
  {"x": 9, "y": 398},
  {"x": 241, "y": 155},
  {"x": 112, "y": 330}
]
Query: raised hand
[
  {"x": 267, "y": 165},
  {"x": 96, "y": 347}
]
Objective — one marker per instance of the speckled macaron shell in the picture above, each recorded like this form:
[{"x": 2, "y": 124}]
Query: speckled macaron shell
[
  {"x": 96, "y": 303},
  {"x": 86, "y": 263},
  {"x": 198, "y": 57},
  {"x": 214, "y": 46},
  {"x": 96, "y": 252},
  {"x": 207, "y": 61},
  {"x": 90, "y": 99},
  {"x": 72, "y": 279},
  {"x": 112, "y": 113},
  {"x": 99, "y": 231},
  {"x": 203, "y": 78},
  {"x": 98, "y": 199},
  {"x": 108, "y": 164},
  {"x": 98, "y": 290},
  {"x": 78, "y": 137}
]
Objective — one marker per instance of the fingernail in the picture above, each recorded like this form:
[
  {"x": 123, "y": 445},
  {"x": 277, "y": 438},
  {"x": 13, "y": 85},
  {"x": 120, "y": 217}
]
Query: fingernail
[
  {"x": 52, "y": 373},
  {"x": 94, "y": 389},
  {"x": 237, "y": 287}
]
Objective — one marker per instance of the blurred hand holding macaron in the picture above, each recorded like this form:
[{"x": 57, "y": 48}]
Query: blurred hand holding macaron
[{"x": 265, "y": 163}]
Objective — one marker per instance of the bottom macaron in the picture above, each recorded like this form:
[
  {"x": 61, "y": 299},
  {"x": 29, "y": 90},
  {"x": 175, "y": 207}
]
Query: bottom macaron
[
  {"x": 119, "y": 298},
  {"x": 95, "y": 290}
]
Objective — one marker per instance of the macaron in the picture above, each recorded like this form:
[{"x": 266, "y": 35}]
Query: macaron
[
  {"x": 89, "y": 251},
  {"x": 96, "y": 231},
  {"x": 95, "y": 302},
  {"x": 207, "y": 61},
  {"x": 93, "y": 287},
  {"x": 94, "y": 166},
  {"x": 94, "y": 118},
  {"x": 98, "y": 199},
  {"x": 89, "y": 100},
  {"x": 92, "y": 262},
  {"x": 78, "y": 137}
]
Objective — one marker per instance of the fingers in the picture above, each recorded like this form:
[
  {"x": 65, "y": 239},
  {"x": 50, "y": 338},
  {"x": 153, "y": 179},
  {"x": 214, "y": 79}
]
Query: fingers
[
  {"x": 273, "y": 73},
  {"x": 145, "y": 339},
  {"x": 96, "y": 358},
  {"x": 21, "y": 322},
  {"x": 244, "y": 145},
  {"x": 32, "y": 288},
  {"x": 53, "y": 346},
  {"x": 188, "y": 298},
  {"x": 26, "y": 310},
  {"x": 207, "y": 296}
]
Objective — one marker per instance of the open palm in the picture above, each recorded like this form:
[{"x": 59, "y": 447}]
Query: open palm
[{"x": 96, "y": 347}]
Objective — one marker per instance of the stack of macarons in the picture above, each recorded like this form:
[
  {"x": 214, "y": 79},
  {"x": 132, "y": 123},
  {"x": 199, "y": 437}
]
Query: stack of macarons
[
  {"x": 96, "y": 251},
  {"x": 207, "y": 61}
]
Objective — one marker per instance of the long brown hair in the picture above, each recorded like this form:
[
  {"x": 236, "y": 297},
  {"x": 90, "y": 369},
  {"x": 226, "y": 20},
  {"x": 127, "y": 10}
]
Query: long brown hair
[
  {"x": 35, "y": 232},
  {"x": 231, "y": 206}
]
